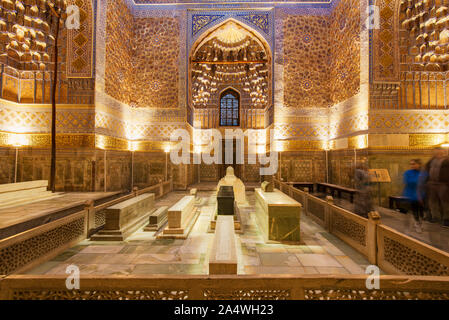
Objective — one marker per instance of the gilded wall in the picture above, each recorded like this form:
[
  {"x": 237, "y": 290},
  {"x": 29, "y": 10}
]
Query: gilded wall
[
  {"x": 344, "y": 40},
  {"x": 119, "y": 52},
  {"x": 155, "y": 62},
  {"x": 303, "y": 166},
  {"x": 306, "y": 61},
  {"x": 385, "y": 45}
]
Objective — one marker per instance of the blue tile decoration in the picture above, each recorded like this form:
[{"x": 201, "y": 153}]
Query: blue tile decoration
[
  {"x": 307, "y": 85},
  {"x": 307, "y": 39},
  {"x": 201, "y": 21},
  {"x": 259, "y": 20}
]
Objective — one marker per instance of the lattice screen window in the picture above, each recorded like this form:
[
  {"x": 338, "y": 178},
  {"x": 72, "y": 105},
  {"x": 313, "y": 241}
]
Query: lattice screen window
[{"x": 229, "y": 108}]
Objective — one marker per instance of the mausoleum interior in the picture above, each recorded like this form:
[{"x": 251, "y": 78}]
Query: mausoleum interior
[{"x": 170, "y": 149}]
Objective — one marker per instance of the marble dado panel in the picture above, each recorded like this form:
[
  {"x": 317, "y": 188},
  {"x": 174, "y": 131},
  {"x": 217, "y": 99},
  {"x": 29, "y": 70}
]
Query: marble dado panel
[{"x": 303, "y": 166}]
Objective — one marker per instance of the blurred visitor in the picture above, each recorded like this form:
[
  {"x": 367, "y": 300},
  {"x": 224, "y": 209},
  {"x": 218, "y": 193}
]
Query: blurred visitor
[
  {"x": 362, "y": 199},
  {"x": 438, "y": 186},
  {"x": 413, "y": 194}
]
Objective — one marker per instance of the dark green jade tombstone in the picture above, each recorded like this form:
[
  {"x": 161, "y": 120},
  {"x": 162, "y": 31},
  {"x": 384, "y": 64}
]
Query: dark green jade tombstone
[{"x": 225, "y": 201}]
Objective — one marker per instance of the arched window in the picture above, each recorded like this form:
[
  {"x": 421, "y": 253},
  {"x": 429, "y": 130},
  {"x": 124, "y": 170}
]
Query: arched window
[{"x": 229, "y": 108}]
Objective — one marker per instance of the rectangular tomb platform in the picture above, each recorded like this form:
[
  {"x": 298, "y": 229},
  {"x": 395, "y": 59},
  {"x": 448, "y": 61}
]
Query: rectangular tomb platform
[
  {"x": 278, "y": 216},
  {"x": 225, "y": 201},
  {"x": 223, "y": 254},
  {"x": 181, "y": 218},
  {"x": 125, "y": 218}
]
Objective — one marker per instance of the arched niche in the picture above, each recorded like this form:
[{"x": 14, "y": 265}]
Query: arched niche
[{"x": 230, "y": 54}]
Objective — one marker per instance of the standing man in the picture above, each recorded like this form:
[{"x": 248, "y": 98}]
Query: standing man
[
  {"x": 438, "y": 186},
  {"x": 362, "y": 200}
]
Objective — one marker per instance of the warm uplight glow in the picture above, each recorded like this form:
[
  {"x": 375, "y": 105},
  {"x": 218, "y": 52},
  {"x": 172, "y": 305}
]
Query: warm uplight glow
[
  {"x": 133, "y": 145},
  {"x": 167, "y": 149},
  {"x": 17, "y": 140},
  {"x": 261, "y": 149},
  {"x": 279, "y": 146},
  {"x": 326, "y": 146},
  {"x": 361, "y": 142},
  {"x": 101, "y": 142}
]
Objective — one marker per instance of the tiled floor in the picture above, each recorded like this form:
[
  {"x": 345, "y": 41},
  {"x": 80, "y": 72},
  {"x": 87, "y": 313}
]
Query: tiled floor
[{"x": 318, "y": 253}]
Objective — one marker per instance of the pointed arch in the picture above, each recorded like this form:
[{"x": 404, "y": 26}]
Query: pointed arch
[
  {"x": 207, "y": 34},
  {"x": 210, "y": 61}
]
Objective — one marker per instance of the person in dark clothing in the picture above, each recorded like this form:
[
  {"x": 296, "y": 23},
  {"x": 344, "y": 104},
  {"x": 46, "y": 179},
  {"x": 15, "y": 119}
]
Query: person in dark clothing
[
  {"x": 437, "y": 186},
  {"x": 411, "y": 192},
  {"x": 362, "y": 199}
]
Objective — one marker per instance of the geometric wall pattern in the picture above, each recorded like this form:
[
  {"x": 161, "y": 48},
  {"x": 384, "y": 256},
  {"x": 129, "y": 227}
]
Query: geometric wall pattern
[
  {"x": 116, "y": 127},
  {"x": 80, "y": 42},
  {"x": 306, "y": 131},
  {"x": 396, "y": 121},
  {"x": 26, "y": 119},
  {"x": 385, "y": 43}
]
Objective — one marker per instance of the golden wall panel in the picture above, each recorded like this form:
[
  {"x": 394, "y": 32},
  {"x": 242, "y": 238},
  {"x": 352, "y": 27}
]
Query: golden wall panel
[
  {"x": 344, "y": 41},
  {"x": 10, "y": 88},
  {"x": 385, "y": 43},
  {"x": 65, "y": 141},
  {"x": 80, "y": 42}
]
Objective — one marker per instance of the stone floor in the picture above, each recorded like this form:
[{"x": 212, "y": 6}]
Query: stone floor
[{"x": 318, "y": 253}]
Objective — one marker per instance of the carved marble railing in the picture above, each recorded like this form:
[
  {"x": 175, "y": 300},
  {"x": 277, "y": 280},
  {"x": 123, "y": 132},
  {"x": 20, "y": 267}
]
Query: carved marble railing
[
  {"x": 25, "y": 250},
  {"x": 392, "y": 251},
  {"x": 316, "y": 209},
  {"x": 298, "y": 195},
  {"x": 356, "y": 231},
  {"x": 398, "y": 253},
  {"x": 32, "y": 247},
  {"x": 188, "y": 287}
]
